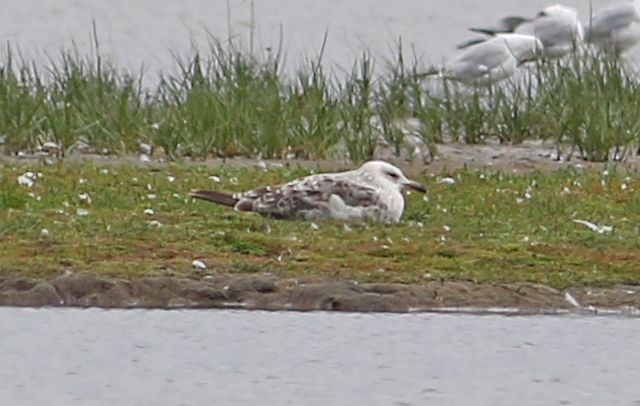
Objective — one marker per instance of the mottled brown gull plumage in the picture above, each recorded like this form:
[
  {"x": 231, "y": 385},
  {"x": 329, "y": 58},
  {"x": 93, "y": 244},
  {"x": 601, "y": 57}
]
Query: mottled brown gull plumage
[{"x": 372, "y": 192}]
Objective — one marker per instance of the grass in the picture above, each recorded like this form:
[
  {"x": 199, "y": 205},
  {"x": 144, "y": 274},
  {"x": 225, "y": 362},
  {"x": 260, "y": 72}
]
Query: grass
[
  {"x": 487, "y": 227},
  {"x": 224, "y": 101}
]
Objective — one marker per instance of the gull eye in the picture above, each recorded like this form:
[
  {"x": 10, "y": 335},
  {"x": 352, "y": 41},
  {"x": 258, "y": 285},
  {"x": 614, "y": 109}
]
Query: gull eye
[{"x": 393, "y": 175}]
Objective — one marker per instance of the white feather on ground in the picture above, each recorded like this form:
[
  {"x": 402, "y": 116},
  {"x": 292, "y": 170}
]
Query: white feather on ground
[{"x": 600, "y": 229}]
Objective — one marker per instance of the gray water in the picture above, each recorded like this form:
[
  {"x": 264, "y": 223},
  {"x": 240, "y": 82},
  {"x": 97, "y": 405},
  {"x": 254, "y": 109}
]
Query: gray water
[
  {"x": 136, "y": 32},
  {"x": 142, "y": 357}
]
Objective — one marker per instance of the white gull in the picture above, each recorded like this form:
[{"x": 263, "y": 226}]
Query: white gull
[
  {"x": 557, "y": 27},
  {"x": 615, "y": 28},
  {"x": 493, "y": 60},
  {"x": 372, "y": 192}
]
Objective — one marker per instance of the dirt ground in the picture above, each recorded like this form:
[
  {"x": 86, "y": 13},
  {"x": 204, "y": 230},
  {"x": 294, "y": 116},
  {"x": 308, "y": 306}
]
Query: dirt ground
[
  {"x": 526, "y": 157},
  {"x": 268, "y": 292}
]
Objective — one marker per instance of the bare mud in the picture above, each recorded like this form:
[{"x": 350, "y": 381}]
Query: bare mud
[
  {"x": 522, "y": 158},
  {"x": 268, "y": 292}
]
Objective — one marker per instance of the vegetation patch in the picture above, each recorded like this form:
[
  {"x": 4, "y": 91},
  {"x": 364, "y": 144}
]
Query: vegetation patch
[
  {"x": 224, "y": 101},
  {"x": 481, "y": 226}
]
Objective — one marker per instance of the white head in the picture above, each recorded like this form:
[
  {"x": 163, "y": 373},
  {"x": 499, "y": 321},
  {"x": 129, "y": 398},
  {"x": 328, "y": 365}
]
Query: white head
[
  {"x": 566, "y": 18},
  {"x": 558, "y": 10},
  {"x": 386, "y": 175},
  {"x": 524, "y": 48}
]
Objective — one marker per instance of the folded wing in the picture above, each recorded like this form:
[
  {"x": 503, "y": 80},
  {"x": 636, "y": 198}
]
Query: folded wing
[{"x": 309, "y": 198}]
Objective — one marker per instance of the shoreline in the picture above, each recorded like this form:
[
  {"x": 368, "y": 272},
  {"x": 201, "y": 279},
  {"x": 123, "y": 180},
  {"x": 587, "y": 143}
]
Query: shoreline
[
  {"x": 273, "y": 293},
  {"x": 526, "y": 157}
]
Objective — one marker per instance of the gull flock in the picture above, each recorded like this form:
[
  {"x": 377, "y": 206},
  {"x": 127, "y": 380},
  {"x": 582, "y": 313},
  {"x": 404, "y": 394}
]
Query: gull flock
[{"x": 553, "y": 33}]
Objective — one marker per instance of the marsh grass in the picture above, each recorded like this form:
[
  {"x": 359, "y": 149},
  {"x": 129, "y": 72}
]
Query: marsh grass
[
  {"x": 225, "y": 101},
  {"x": 487, "y": 227}
]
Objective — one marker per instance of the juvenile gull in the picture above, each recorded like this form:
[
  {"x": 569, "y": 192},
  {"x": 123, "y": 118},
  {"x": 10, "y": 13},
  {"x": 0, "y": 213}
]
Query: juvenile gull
[{"x": 372, "y": 192}]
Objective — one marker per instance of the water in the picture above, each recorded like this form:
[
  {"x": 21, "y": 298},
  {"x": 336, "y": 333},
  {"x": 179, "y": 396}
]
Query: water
[
  {"x": 98, "y": 357},
  {"x": 136, "y": 32}
]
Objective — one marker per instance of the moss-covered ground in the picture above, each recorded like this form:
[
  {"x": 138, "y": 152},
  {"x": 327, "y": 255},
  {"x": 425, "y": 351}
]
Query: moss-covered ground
[{"x": 133, "y": 221}]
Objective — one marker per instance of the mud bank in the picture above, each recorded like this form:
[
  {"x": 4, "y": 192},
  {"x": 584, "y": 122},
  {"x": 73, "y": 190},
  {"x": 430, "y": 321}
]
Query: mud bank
[
  {"x": 269, "y": 292},
  {"x": 529, "y": 156}
]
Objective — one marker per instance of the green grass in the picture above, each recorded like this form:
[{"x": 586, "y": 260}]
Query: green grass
[
  {"x": 225, "y": 101},
  {"x": 487, "y": 227}
]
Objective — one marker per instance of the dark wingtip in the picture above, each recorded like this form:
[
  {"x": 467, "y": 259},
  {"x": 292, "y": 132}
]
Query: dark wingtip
[
  {"x": 471, "y": 42},
  {"x": 486, "y": 31}
]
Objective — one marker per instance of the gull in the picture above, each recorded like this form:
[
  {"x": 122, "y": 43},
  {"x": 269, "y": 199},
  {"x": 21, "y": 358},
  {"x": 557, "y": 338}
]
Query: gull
[
  {"x": 616, "y": 28},
  {"x": 491, "y": 61},
  {"x": 372, "y": 192},
  {"x": 557, "y": 27}
]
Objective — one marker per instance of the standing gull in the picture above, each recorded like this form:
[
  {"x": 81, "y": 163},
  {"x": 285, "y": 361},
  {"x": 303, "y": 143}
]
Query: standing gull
[
  {"x": 615, "y": 28},
  {"x": 372, "y": 192},
  {"x": 557, "y": 27},
  {"x": 493, "y": 60}
]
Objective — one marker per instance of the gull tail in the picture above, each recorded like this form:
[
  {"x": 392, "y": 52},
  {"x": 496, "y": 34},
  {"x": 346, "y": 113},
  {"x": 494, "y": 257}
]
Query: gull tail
[{"x": 225, "y": 199}]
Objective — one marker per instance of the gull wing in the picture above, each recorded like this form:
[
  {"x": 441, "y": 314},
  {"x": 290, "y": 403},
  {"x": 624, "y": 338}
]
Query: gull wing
[
  {"x": 505, "y": 25},
  {"x": 553, "y": 31},
  {"x": 308, "y": 197},
  {"x": 482, "y": 60}
]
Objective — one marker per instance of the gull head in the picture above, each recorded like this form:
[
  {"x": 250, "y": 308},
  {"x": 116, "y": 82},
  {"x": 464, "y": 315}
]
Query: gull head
[
  {"x": 385, "y": 175},
  {"x": 558, "y": 10},
  {"x": 565, "y": 21}
]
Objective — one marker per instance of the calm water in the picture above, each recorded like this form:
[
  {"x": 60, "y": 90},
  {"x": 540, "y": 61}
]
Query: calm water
[
  {"x": 134, "y": 32},
  {"x": 98, "y": 357}
]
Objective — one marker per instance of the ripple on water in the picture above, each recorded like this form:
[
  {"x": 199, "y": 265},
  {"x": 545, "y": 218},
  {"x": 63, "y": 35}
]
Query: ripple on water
[{"x": 237, "y": 357}]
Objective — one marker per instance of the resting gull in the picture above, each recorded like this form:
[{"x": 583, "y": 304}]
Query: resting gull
[
  {"x": 372, "y": 192},
  {"x": 557, "y": 27},
  {"x": 615, "y": 28},
  {"x": 493, "y": 60}
]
